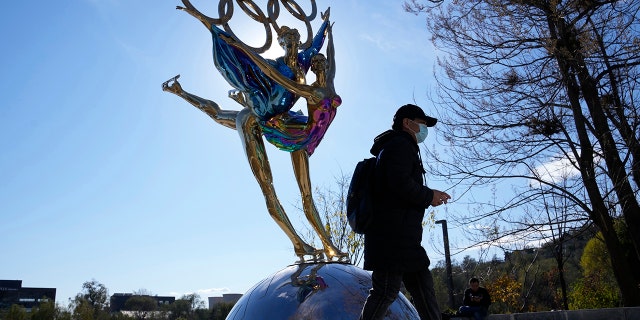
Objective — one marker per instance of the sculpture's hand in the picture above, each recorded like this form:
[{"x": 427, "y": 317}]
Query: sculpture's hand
[
  {"x": 325, "y": 15},
  {"x": 230, "y": 40},
  {"x": 172, "y": 85},
  {"x": 238, "y": 97}
]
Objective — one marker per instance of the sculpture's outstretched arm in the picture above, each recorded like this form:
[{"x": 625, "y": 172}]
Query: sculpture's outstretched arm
[
  {"x": 190, "y": 9},
  {"x": 304, "y": 57},
  {"x": 271, "y": 72},
  {"x": 331, "y": 58},
  {"x": 226, "y": 118}
]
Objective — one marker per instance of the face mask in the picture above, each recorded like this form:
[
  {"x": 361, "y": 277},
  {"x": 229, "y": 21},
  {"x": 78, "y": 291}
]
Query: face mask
[{"x": 423, "y": 133}]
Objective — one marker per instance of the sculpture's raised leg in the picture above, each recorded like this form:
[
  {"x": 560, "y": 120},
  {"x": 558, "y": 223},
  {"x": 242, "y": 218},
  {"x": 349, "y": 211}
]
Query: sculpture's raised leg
[{"x": 226, "y": 118}]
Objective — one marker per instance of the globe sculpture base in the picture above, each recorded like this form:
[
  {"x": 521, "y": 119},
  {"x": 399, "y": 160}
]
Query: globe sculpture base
[{"x": 312, "y": 291}]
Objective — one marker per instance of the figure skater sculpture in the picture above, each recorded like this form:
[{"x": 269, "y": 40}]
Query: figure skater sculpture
[{"x": 267, "y": 99}]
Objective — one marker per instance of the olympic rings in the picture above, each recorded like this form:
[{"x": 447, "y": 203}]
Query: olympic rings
[{"x": 251, "y": 9}]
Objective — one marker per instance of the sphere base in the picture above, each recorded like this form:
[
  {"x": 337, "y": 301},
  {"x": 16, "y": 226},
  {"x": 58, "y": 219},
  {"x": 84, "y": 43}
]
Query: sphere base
[{"x": 313, "y": 291}]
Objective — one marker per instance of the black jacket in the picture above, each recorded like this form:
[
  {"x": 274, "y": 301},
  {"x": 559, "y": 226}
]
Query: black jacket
[
  {"x": 482, "y": 293},
  {"x": 394, "y": 241}
]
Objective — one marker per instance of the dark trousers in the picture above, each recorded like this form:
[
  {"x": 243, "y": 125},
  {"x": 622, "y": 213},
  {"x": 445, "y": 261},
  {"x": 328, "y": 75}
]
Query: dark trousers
[
  {"x": 386, "y": 286},
  {"x": 478, "y": 313}
]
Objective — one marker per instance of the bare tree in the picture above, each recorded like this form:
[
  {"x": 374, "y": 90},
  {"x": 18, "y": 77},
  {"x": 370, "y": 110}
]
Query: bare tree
[
  {"x": 332, "y": 207},
  {"x": 528, "y": 84}
]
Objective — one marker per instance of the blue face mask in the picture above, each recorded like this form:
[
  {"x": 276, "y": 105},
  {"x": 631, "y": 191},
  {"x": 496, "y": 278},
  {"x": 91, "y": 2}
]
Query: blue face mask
[{"x": 423, "y": 133}]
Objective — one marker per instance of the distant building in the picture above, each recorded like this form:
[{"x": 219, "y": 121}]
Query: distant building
[
  {"x": 226, "y": 298},
  {"x": 12, "y": 292},
  {"x": 118, "y": 300}
]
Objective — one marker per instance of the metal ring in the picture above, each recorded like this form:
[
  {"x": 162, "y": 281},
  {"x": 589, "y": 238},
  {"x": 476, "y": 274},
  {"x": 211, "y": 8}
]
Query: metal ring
[{"x": 251, "y": 9}]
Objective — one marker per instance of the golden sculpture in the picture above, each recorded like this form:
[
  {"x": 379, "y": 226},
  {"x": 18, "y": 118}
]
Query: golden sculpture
[{"x": 267, "y": 89}]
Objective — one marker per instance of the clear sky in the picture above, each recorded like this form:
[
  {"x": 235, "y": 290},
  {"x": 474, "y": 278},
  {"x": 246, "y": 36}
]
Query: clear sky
[{"x": 104, "y": 176}]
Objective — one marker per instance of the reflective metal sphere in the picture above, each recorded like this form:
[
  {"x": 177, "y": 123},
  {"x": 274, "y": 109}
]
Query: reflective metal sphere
[{"x": 312, "y": 291}]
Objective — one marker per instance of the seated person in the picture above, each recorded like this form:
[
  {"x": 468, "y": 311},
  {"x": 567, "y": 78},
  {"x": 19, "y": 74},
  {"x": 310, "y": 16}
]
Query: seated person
[{"x": 476, "y": 301}]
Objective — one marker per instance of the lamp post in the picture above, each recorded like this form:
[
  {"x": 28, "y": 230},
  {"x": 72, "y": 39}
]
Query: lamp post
[{"x": 447, "y": 258}]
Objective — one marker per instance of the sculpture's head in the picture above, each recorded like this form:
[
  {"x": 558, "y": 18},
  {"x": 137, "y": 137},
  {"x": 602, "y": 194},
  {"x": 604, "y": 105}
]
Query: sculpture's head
[
  {"x": 318, "y": 63},
  {"x": 289, "y": 38}
]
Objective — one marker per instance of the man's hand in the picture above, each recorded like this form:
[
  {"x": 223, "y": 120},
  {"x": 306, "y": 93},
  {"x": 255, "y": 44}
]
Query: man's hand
[{"x": 439, "y": 198}]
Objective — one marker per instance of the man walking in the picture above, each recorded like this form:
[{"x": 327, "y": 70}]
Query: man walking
[{"x": 392, "y": 248}]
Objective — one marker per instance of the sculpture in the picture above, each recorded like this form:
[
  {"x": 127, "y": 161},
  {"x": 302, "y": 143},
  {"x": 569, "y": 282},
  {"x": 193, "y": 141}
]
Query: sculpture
[{"x": 267, "y": 90}]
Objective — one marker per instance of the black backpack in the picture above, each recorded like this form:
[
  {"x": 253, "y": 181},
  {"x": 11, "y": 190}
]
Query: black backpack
[{"x": 361, "y": 196}]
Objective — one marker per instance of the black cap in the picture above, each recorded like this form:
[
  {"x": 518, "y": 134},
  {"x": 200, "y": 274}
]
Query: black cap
[{"x": 412, "y": 112}]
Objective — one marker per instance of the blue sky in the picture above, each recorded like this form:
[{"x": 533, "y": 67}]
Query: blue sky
[{"x": 106, "y": 177}]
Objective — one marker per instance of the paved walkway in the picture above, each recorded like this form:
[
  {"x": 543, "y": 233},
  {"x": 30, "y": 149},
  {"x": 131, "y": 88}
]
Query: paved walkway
[{"x": 632, "y": 313}]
